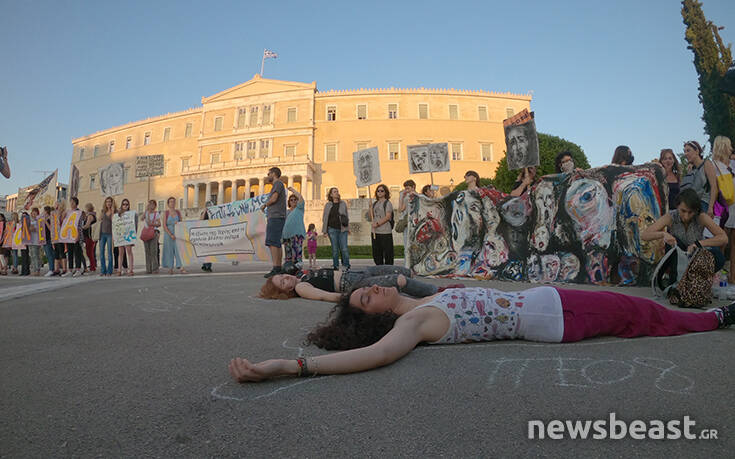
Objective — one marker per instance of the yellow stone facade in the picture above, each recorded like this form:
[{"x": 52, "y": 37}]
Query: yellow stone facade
[{"x": 222, "y": 150}]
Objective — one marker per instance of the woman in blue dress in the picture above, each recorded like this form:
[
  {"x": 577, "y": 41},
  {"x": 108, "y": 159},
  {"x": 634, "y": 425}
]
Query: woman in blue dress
[{"x": 170, "y": 250}]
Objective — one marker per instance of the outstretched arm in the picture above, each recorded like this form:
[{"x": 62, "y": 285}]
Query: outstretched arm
[
  {"x": 309, "y": 292},
  {"x": 404, "y": 336}
]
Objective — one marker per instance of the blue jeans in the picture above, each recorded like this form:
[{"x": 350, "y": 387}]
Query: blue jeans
[
  {"x": 106, "y": 262},
  {"x": 50, "y": 255},
  {"x": 339, "y": 246}
]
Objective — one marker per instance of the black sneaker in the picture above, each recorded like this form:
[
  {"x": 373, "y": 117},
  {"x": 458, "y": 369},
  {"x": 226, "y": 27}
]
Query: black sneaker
[
  {"x": 273, "y": 272},
  {"x": 726, "y": 315}
]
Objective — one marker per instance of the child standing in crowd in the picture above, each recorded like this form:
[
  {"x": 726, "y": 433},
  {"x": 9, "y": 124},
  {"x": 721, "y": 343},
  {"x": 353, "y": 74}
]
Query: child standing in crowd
[
  {"x": 89, "y": 242},
  {"x": 109, "y": 208},
  {"x": 34, "y": 247},
  {"x": 311, "y": 236},
  {"x": 152, "y": 220},
  {"x": 293, "y": 230},
  {"x": 170, "y": 251},
  {"x": 48, "y": 247},
  {"x": 127, "y": 250},
  {"x": 57, "y": 218}
]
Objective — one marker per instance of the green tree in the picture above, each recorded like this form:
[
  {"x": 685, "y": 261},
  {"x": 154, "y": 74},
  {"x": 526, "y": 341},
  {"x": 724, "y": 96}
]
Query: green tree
[
  {"x": 549, "y": 146},
  {"x": 711, "y": 60}
]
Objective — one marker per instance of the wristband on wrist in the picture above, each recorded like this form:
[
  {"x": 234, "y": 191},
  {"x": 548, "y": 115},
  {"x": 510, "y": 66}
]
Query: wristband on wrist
[{"x": 698, "y": 244}]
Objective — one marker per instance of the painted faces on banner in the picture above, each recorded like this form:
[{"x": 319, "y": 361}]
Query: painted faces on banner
[
  {"x": 111, "y": 179},
  {"x": 638, "y": 206},
  {"x": 588, "y": 205}
]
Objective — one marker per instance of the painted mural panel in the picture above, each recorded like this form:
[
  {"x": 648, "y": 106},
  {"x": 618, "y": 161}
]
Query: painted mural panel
[{"x": 578, "y": 227}]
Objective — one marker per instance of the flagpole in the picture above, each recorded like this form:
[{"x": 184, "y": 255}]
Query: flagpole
[{"x": 262, "y": 63}]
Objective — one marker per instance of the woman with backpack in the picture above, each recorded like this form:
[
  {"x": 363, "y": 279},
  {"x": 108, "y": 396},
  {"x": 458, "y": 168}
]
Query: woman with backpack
[
  {"x": 382, "y": 238},
  {"x": 702, "y": 178}
]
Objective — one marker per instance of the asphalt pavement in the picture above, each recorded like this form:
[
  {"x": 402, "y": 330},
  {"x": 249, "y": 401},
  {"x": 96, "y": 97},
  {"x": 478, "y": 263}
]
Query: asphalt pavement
[{"x": 137, "y": 366}]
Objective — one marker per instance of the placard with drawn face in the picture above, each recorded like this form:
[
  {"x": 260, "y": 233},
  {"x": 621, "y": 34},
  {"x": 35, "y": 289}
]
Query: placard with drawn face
[
  {"x": 521, "y": 141},
  {"x": 438, "y": 157},
  {"x": 111, "y": 179},
  {"x": 418, "y": 159},
  {"x": 366, "y": 165}
]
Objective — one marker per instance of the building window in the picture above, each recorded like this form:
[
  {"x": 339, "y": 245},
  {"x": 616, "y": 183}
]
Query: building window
[
  {"x": 395, "y": 191},
  {"x": 147, "y": 138},
  {"x": 289, "y": 150},
  {"x": 166, "y": 134},
  {"x": 214, "y": 158},
  {"x": 264, "y": 146},
  {"x": 393, "y": 150},
  {"x": 456, "y": 151},
  {"x": 453, "y": 112},
  {"x": 126, "y": 174},
  {"x": 266, "y": 114},
  {"x": 239, "y": 148},
  {"x": 128, "y": 142},
  {"x": 184, "y": 164},
  {"x": 332, "y": 113},
  {"x": 482, "y": 113},
  {"x": 509, "y": 112},
  {"x": 92, "y": 181},
  {"x": 361, "y": 145},
  {"x": 111, "y": 148},
  {"x": 140, "y": 208},
  {"x": 218, "y": 123},
  {"x": 392, "y": 111},
  {"x": 81, "y": 153},
  {"x": 161, "y": 203},
  {"x": 253, "y": 116},
  {"x": 487, "y": 151},
  {"x": 291, "y": 117},
  {"x": 362, "y": 192},
  {"x": 96, "y": 151},
  {"x": 242, "y": 113},
  {"x": 362, "y": 112},
  {"x": 187, "y": 133},
  {"x": 423, "y": 111},
  {"x": 330, "y": 152},
  {"x": 181, "y": 203}
]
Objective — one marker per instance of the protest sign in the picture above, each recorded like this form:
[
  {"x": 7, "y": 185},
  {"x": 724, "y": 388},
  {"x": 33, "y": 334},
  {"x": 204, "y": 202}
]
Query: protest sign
[
  {"x": 68, "y": 231},
  {"x": 237, "y": 208},
  {"x": 433, "y": 157},
  {"x": 123, "y": 229},
  {"x": 521, "y": 141},
  {"x": 43, "y": 194},
  {"x": 366, "y": 166},
  {"x": 228, "y": 239}
]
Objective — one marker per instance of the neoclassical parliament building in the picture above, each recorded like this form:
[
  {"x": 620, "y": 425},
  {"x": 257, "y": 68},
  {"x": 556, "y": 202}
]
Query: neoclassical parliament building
[{"x": 222, "y": 150}]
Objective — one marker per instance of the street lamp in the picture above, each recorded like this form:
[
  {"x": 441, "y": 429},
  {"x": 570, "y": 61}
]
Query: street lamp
[{"x": 451, "y": 184}]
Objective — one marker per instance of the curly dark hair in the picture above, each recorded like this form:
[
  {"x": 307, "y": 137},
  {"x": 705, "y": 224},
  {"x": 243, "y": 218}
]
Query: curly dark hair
[{"x": 348, "y": 327}]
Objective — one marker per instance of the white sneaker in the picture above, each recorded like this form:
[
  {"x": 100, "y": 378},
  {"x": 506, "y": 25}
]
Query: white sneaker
[
  {"x": 67, "y": 274},
  {"x": 76, "y": 274},
  {"x": 49, "y": 274}
]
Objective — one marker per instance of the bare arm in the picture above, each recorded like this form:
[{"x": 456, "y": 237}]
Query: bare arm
[
  {"x": 309, "y": 292},
  {"x": 4, "y": 166},
  {"x": 298, "y": 195},
  {"x": 405, "y": 335},
  {"x": 719, "y": 238},
  {"x": 657, "y": 231}
]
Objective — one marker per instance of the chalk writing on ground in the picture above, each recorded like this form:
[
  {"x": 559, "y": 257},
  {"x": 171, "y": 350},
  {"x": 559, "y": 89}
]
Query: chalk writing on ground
[{"x": 589, "y": 372}]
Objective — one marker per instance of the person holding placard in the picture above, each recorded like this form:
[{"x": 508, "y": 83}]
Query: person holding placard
[
  {"x": 4, "y": 252},
  {"x": 34, "y": 246},
  {"x": 126, "y": 250},
  {"x": 74, "y": 249},
  {"x": 25, "y": 265},
  {"x": 57, "y": 218},
  {"x": 383, "y": 237},
  {"x": 48, "y": 247}
]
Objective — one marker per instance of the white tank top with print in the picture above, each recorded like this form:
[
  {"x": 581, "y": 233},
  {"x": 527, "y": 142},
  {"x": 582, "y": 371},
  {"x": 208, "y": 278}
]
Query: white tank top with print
[{"x": 486, "y": 314}]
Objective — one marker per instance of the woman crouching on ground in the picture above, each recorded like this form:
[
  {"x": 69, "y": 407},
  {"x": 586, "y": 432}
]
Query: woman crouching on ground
[
  {"x": 328, "y": 284},
  {"x": 380, "y": 326}
]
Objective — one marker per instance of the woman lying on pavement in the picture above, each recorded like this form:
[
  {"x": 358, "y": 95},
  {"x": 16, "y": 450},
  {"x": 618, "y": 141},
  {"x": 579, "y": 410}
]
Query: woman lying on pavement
[
  {"x": 379, "y": 326},
  {"x": 328, "y": 284}
]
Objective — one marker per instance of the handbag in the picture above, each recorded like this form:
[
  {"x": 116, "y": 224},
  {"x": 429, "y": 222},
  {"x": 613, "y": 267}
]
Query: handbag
[
  {"x": 148, "y": 232},
  {"x": 725, "y": 185},
  {"x": 344, "y": 220},
  {"x": 694, "y": 289},
  {"x": 402, "y": 223}
]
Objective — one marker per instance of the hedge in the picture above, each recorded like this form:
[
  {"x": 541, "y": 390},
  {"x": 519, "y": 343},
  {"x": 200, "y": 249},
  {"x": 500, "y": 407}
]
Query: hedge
[{"x": 356, "y": 251}]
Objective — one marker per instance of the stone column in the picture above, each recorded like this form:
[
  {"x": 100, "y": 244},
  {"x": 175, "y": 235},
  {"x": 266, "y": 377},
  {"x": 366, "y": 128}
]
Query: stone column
[
  {"x": 208, "y": 193},
  {"x": 196, "y": 195},
  {"x": 234, "y": 190},
  {"x": 221, "y": 192},
  {"x": 261, "y": 184},
  {"x": 308, "y": 191},
  {"x": 186, "y": 196},
  {"x": 290, "y": 180}
]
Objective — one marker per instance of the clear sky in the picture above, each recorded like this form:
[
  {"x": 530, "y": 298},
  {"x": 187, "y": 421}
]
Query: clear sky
[{"x": 602, "y": 73}]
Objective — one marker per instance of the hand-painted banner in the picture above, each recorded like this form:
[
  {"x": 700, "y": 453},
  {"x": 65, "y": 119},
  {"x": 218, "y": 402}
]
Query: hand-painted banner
[
  {"x": 17, "y": 242},
  {"x": 33, "y": 233},
  {"x": 69, "y": 230},
  {"x": 12, "y": 237},
  {"x": 577, "y": 227},
  {"x": 237, "y": 208},
  {"x": 123, "y": 229},
  {"x": 366, "y": 166},
  {"x": 43, "y": 194},
  {"x": 227, "y": 239}
]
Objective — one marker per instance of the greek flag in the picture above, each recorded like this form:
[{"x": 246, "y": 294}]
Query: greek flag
[{"x": 268, "y": 53}]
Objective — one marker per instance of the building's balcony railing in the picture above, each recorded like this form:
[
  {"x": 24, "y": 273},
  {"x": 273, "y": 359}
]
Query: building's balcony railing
[{"x": 245, "y": 163}]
